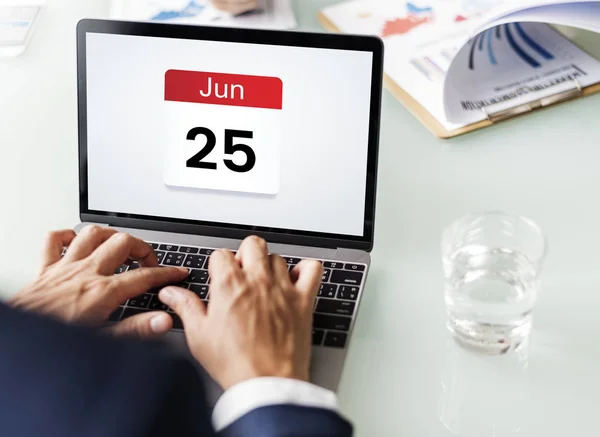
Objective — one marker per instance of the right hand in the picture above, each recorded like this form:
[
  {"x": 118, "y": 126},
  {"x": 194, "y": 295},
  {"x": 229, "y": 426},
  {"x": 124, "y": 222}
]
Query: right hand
[{"x": 259, "y": 321}]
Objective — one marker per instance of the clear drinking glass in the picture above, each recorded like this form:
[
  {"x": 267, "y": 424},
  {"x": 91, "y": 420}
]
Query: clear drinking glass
[{"x": 492, "y": 262}]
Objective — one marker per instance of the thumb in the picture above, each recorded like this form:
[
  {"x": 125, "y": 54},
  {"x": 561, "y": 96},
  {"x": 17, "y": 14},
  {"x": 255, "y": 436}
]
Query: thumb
[
  {"x": 146, "y": 325},
  {"x": 186, "y": 304}
]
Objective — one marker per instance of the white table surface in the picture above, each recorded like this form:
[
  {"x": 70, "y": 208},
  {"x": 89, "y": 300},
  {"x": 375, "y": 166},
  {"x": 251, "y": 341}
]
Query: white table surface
[{"x": 403, "y": 376}]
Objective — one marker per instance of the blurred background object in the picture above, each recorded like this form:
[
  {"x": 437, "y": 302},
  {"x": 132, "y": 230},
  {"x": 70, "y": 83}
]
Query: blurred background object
[
  {"x": 260, "y": 14},
  {"x": 235, "y": 6},
  {"x": 17, "y": 21}
]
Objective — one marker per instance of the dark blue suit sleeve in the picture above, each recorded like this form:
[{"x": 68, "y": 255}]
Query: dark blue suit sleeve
[
  {"x": 63, "y": 381},
  {"x": 289, "y": 421}
]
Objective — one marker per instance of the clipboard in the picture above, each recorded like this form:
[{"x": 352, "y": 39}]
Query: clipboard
[{"x": 492, "y": 117}]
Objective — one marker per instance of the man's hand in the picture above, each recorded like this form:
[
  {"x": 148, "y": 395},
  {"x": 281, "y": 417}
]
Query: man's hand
[
  {"x": 259, "y": 321},
  {"x": 81, "y": 286},
  {"x": 235, "y": 6}
]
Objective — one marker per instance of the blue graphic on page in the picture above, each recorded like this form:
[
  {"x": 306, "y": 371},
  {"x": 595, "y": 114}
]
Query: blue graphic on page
[
  {"x": 416, "y": 10},
  {"x": 527, "y": 49},
  {"x": 192, "y": 9}
]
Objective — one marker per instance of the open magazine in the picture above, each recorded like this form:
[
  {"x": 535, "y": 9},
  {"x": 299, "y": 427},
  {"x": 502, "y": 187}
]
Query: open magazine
[
  {"x": 465, "y": 60},
  {"x": 270, "y": 14}
]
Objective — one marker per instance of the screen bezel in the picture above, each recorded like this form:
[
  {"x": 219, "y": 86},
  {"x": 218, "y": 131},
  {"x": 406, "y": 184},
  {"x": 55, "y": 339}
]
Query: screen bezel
[{"x": 268, "y": 37}]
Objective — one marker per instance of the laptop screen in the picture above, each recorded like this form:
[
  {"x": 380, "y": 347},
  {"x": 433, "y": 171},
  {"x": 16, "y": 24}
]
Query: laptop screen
[{"x": 267, "y": 136}]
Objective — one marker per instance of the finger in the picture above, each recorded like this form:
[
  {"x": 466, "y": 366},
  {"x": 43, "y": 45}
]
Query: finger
[
  {"x": 223, "y": 265},
  {"x": 135, "y": 282},
  {"x": 88, "y": 240},
  {"x": 308, "y": 274},
  {"x": 280, "y": 270},
  {"x": 118, "y": 249},
  {"x": 147, "y": 325},
  {"x": 53, "y": 245},
  {"x": 186, "y": 305},
  {"x": 254, "y": 257}
]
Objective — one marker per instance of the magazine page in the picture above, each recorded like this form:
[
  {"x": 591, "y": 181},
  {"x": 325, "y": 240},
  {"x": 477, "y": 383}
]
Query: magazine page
[
  {"x": 585, "y": 16},
  {"x": 582, "y": 14},
  {"x": 421, "y": 38},
  {"x": 511, "y": 65}
]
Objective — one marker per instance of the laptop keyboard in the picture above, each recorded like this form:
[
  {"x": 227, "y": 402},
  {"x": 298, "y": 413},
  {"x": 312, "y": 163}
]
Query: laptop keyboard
[{"x": 334, "y": 309}]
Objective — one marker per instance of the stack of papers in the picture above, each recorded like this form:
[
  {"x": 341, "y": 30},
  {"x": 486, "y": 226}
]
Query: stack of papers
[{"x": 271, "y": 14}]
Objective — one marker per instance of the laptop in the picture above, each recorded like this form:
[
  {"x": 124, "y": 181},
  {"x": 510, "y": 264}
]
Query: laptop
[{"x": 193, "y": 138}]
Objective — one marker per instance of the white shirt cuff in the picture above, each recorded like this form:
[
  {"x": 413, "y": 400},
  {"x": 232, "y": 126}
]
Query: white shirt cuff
[{"x": 255, "y": 393}]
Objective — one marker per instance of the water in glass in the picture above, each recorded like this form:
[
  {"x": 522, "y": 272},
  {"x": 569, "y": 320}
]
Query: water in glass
[{"x": 490, "y": 294}]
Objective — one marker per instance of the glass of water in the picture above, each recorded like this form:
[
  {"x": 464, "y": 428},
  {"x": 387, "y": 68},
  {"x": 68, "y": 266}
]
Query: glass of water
[{"x": 492, "y": 262}]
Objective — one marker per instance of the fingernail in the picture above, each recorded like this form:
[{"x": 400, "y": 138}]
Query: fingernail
[
  {"x": 160, "y": 323},
  {"x": 184, "y": 269}
]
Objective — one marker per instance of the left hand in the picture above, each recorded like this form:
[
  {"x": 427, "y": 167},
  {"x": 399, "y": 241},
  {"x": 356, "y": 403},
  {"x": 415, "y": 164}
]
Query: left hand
[{"x": 81, "y": 286}]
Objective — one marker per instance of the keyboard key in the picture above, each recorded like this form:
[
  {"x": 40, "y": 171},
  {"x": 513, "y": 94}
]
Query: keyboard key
[
  {"x": 194, "y": 261},
  {"x": 116, "y": 315},
  {"x": 198, "y": 277},
  {"x": 159, "y": 256},
  {"x": 335, "y": 307},
  {"x": 129, "y": 312},
  {"x": 327, "y": 290},
  {"x": 333, "y": 265},
  {"x": 355, "y": 267},
  {"x": 317, "y": 337},
  {"x": 335, "y": 339},
  {"x": 200, "y": 290},
  {"x": 154, "y": 245},
  {"x": 134, "y": 265},
  {"x": 326, "y": 321},
  {"x": 122, "y": 269},
  {"x": 157, "y": 305},
  {"x": 292, "y": 261},
  {"x": 173, "y": 259},
  {"x": 177, "y": 323},
  {"x": 188, "y": 249},
  {"x": 349, "y": 293},
  {"x": 184, "y": 284},
  {"x": 326, "y": 275},
  {"x": 346, "y": 277},
  {"x": 206, "y": 251},
  {"x": 141, "y": 301},
  {"x": 169, "y": 247}
]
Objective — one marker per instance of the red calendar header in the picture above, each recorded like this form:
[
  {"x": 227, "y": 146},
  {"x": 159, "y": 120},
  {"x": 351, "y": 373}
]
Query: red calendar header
[{"x": 223, "y": 89}]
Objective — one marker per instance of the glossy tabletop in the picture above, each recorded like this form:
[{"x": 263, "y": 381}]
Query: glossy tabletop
[{"x": 404, "y": 376}]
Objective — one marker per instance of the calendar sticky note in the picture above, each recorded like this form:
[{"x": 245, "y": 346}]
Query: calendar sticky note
[{"x": 223, "y": 131}]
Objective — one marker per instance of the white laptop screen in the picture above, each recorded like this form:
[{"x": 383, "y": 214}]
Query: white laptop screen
[{"x": 233, "y": 133}]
